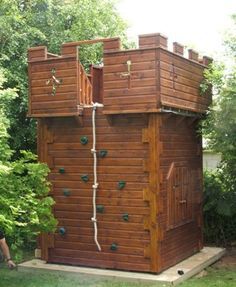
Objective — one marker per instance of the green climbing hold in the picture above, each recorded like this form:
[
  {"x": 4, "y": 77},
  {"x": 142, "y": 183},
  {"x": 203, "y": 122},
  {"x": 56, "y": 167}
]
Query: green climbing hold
[
  {"x": 113, "y": 247},
  {"x": 100, "y": 208},
  {"x": 102, "y": 153},
  {"x": 121, "y": 184},
  {"x": 62, "y": 231},
  {"x": 66, "y": 192},
  {"x": 62, "y": 170},
  {"x": 84, "y": 140},
  {"x": 125, "y": 217},
  {"x": 85, "y": 177}
]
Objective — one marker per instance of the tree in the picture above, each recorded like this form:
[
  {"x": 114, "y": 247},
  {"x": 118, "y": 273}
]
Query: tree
[
  {"x": 27, "y": 23},
  {"x": 24, "y": 204},
  {"x": 220, "y": 130}
]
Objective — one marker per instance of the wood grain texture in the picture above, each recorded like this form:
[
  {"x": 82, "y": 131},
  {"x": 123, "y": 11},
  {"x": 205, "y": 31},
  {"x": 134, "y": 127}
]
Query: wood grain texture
[
  {"x": 137, "y": 90},
  {"x": 155, "y": 219},
  {"x": 181, "y": 170},
  {"x": 57, "y": 87},
  {"x": 124, "y": 161}
]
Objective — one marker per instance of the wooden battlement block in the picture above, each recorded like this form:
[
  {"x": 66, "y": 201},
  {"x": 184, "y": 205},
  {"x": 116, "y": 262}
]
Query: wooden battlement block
[
  {"x": 153, "y": 40},
  {"x": 178, "y": 48},
  {"x": 37, "y": 53},
  {"x": 193, "y": 55},
  {"x": 112, "y": 45}
]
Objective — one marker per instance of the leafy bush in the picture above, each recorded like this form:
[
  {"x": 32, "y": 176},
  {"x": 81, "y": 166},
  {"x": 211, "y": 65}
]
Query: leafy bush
[
  {"x": 220, "y": 131},
  {"x": 219, "y": 209},
  {"x": 25, "y": 208}
]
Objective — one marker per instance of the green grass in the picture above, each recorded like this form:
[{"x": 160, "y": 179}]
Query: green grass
[
  {"x": 223, "y": 277},
  {"x": 216, "y": 277}
]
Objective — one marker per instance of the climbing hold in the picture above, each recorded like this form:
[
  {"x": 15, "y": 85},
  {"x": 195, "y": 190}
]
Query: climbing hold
[
  {"x": 84, "y": 140},
  {"x": 125, "y": 217},
  {"x": 85, "y": 177},
  {"x": 62, "y": 231},
  {"x": 180, "y": 272},
  {"x": 121, "y": 184},
  {"x": 100, "y": 208},
  {"x": 66, "y": 192},
  {"x": 102, "y": 153},
  {"x": 113, "y": 247},
  {"x": 62, "y": 170}
]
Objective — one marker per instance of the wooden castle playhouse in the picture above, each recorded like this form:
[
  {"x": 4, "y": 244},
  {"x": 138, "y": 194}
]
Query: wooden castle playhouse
[{"x": 124, "y": 151}]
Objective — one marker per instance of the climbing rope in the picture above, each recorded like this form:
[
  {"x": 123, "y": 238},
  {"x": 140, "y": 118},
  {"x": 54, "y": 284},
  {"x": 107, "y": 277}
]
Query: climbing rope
[{"x": 95, "y": 183}]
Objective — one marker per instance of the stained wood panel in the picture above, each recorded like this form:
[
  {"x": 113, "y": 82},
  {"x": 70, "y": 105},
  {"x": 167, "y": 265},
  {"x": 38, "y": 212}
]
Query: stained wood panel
[
  {"x": 181, "y": 186},
  {"x": 124, "y": 161},
  {"x": 155, "y": 219},
  {"x": 164, "y": 79},
  {"x": 57, "y": 86},
  {"x": 141, "y": 80},
  {"x": 180, "y": 81},
  {"x": 130, "y": 88}
]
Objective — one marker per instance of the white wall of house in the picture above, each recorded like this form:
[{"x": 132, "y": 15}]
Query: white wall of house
[{"x": 211, "y": 160}]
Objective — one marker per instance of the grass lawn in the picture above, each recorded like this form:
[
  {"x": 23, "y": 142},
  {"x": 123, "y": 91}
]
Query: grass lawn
[{"x": 216, "y": 277}]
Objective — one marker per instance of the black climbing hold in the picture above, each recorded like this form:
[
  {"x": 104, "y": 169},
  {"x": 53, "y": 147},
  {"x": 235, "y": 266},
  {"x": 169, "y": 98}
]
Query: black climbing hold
[
  {"x": 85, "y": 177},
  {"x": 102, "y": 153},
  {"x": 125, "y": 217},
  {"x": 114, "y": 247},
  {"x": 66, "y": 192},
  {"x": 180, "y": 272},
  {"x": 121, "y": 184},
  {"x": 100, "y": 208},
  {"x": 84, "y": 140},
  {"x": 62, "y": 231},
  {"x": 62, "y": 170}
]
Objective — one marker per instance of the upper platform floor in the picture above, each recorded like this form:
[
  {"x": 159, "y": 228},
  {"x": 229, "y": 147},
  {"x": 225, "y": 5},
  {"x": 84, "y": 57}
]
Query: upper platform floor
[{"x": 144, "y": 80}]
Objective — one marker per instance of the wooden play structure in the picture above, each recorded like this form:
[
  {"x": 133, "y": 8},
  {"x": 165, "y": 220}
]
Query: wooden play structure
[{"x": 124, "y": 151}]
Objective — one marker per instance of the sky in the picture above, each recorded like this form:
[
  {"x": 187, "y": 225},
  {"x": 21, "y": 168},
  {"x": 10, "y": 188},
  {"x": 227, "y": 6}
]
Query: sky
[{"x": 197, "y": 24}]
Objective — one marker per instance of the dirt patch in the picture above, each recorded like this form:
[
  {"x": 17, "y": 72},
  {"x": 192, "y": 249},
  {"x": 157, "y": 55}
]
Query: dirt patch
[{"x": 228, "y": 260}]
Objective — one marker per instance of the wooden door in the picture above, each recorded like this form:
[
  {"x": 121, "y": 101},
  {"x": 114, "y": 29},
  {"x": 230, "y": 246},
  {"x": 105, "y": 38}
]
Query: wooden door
[{"x": 180, "y": 195}]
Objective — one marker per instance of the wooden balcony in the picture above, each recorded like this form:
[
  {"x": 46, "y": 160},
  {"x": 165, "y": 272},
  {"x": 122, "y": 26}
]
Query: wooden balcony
[{"x": 59, "y": 85}]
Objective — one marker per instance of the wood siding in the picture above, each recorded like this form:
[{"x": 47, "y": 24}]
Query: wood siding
[
  {"x": 134, "y": 92},
  {"x": 148, "y": 131},
  {"x": 180, "y": 81},
  {"x": 57, "y": 86},
  {"x": 126, "y": 154},
  {"x": 143, "y": 80},
  {"x": 158, "y": 78},
  {"x": 181, "y": 189}
]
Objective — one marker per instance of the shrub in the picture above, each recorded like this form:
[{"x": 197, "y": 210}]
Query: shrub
[
  {"x": 219, "y": 209},
  {"x": 25, "y": 207}
]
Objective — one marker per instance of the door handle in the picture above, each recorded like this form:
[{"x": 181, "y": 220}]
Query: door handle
[{"x": 183, "y": 201}]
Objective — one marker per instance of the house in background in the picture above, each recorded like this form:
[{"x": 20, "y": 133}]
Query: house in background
[{"x": 211, "y": 159}]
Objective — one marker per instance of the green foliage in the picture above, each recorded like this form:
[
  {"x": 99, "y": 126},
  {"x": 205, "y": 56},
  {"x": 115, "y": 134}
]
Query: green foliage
[
  {"x": 213, "y": 77},
  {"x": 6, "y": 96},
  {"x": 25, "y": 208},
  {"x": 219, "y": 209},
  {"x": 24, "y": 204},
  {"x": 220, "y": 131},
  {"x": 26, "y": 24}
]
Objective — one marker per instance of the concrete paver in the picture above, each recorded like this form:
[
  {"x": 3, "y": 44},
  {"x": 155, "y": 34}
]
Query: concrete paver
[{"x": 172, "y": 276}]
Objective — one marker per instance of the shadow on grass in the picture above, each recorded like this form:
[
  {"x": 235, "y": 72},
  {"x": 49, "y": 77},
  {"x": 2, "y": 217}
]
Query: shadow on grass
[
  {"x": 216, "y": 277},
  {"x": 43, "y": 278}
]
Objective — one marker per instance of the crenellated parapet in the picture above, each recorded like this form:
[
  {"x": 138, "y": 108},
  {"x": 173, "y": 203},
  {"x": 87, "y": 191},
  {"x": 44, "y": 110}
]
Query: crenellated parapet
[
  {"x": 144, "y": 80},
  {"x": 152, "y": 78}
]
